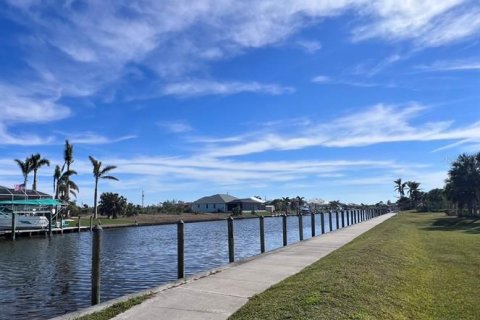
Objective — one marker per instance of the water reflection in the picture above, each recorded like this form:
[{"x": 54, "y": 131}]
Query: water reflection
[{"x": 42, "y": 278}]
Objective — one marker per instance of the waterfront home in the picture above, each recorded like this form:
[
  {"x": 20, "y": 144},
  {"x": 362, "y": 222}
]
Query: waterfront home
[
  {"x": 247, "y": 204},
  {"x": 212, "y": 204}
]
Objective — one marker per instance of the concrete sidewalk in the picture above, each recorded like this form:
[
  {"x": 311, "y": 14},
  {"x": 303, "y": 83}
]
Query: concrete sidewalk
[{"x": 219, "y": 295}]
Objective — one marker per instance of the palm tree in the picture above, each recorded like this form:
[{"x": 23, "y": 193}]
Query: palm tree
[
  {"x": 68, "y": 158},
  {"x": 36, "y": 161},
  {"x": 400, "y": 187},
  {"x": 413, "y": 191},
  {"x": 300, "y": 202},
  {"x": 65, "y": 186},
  {"x": 56, "y": 175},
  {"x": 463, "y": 183},
  {"x": 286, "y": 203},
  {"x": 26, "y": 168},
  {"x": 99, "y": 173}
]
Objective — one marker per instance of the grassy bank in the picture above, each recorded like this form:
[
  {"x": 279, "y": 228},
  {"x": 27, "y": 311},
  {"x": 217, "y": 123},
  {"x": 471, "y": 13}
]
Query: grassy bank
[
  {"x": 151, "y": 219},
  {"x": 116, "y": 309},
  {"x": 414, "y": 266}
]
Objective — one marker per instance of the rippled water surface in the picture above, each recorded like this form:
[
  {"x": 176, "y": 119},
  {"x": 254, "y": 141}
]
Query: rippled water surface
[{"x": 42, "y": 278}]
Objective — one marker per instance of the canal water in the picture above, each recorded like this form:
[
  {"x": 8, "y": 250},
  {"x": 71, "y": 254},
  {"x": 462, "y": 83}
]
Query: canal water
[{"x": 41, "y": 278}]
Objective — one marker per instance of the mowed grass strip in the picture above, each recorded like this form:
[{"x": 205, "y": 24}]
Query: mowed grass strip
[
  {"x": 116, "y": 309},
  {"x": 413, "y": 266}
]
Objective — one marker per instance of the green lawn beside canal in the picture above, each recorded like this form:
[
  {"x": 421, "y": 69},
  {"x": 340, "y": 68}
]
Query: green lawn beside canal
[{"x": 413, "y": 266}]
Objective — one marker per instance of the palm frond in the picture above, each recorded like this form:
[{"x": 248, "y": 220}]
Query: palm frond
[
  {"x": 106, "y": 169},
  {"x": 109, "y": 178}
]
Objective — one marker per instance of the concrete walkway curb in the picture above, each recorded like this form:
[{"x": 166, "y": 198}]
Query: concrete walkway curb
[{"x": 220, "y": 294}]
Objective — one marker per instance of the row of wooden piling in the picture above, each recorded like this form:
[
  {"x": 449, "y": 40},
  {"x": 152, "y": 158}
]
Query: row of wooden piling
[{"x": 347, "y": 218}]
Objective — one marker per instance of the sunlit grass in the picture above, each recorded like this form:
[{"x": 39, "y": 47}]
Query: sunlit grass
[{"x": 413, "y": 266}]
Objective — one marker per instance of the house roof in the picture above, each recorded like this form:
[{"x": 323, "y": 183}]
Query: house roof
[
  {"x": 249, "y": 200},
  {"x": 216, "y": 198},
  {"x": 12, "y": 194}
]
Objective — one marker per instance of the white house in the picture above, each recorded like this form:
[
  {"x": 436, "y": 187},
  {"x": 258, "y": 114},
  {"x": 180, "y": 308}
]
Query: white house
[{"x": 211, "y": 204}]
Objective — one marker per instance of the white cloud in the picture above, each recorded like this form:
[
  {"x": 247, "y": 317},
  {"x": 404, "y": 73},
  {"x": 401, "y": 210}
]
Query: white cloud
[
  {"x": 310, "y": 46},
  {"x": 30, "y": 104},
  {"x": 402, "y": 19},
  {"x": 207, "y": 87},
  {"x": 377, "y": 124},
  {"x": 452, "y": 65},
  {"x": 175, "y": 126},
  {"x": 94, "y": 138},
  {"x": 321, "y": 79},
  {"x": 94, "y": 45}
]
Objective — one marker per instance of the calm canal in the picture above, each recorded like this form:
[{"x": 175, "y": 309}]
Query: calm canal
[{"x": 41, "y": 278}]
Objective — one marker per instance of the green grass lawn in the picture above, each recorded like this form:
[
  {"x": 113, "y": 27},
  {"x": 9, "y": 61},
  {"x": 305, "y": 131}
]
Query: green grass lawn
[
  {"x": 413, "y": 266},
  {"x": 116, "y": 309}
]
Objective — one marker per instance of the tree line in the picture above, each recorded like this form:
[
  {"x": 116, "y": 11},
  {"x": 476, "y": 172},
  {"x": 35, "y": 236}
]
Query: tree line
[
  {"x": 460, "y": 195},
  {"x": 63, "y": 185}
]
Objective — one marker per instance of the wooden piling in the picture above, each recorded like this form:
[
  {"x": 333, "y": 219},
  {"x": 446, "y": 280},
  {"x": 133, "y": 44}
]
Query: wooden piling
[
  {"x": 262, "y": 234},
  {"x": 330, "y": 222},
  {"x": 91, "y": 223},
  {"x": 50, "y": 223},
  {"x": 231, "y": 243},
  {"x": 14, "y": 226},
  {"x": 79, "y": 229},
  {"x": 300, "y": 226},
  {"x": 322, "y": 222},
  {"x": 312, "y": 223},
  {"x": 180, "y": 249},
  {"x": 96, "y": 247},
  {"x": 284, "y": 227}
]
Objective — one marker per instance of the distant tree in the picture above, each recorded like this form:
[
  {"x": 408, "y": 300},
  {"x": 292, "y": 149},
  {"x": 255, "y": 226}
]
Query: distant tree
[
  {"x": 132, "y": 210},
  {"x": 66, "y": 186},
  {"x": 99, "y": 173},
  {"x": 112, "y": 205},
  {"x": 400, "y": 187},
  {"x": 68, "y": 160},
  {"x": 26, "y": 168},
  {"x": 414, "y": 192},
  {"x": 36, "y": 162},
  {"x": 286, "y": 203},
  {"x": 463, "y": 183},
  {"x": 434, "y": 201},
  {"x": 335, "y": 205},
  {"x": 57, "y": 173},
  {"x": 237, "y": 211}
]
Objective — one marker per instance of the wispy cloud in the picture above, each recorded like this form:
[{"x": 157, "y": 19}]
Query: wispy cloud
[
  {"x": 322, "y": 79},
  {"x": 378, "y": 124},
  {"x": 310, "y": 46},
  {"x": 207, "y": 87},
  {"x": 86, "y": 51},
  {"x": 451, "y": 65},
  {"x": 94, "y": 138},
  {"x": 175, "y": 126},
  {"x": 399, "y": 20}
]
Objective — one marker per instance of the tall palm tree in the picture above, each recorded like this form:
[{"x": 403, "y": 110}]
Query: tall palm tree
[
  {"x": 99, "y": 173},
  {"x": 57, "y": 173},
  {"x": 26, "y": 168},
  {"x": 400, "y": 187},
  {"x": 68, "y": 158},
  {"x": 36, "y": 161}
]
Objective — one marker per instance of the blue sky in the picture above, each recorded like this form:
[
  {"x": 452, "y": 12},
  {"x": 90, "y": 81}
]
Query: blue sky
[{"x": 324, "y": 99}]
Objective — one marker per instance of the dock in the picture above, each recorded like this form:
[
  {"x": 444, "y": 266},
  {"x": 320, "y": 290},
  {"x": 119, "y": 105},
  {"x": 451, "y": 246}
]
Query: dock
[{"x": 40, "y": 232}]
